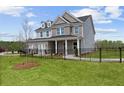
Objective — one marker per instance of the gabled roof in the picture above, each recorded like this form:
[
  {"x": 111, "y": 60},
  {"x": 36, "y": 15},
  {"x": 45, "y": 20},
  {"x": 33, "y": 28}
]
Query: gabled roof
[
  {"x": 61, "y": 19},
  {"x": 41, "y": 29},
  {"x": 72, "y": 16},
  {"x": 38, "y": 29},
  {"x": 84, "y": 18},
  {"x": 65, "y": 20}
]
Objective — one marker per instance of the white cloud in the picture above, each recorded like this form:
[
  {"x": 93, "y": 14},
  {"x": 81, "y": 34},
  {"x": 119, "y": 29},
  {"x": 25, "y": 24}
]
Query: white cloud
[
  {"x": 31, "y": 23},
  {"x": 104, "y": 21},
  {"x": 98, "y": 16},
  {"x": 12, "y": 10},
  {"x": 96, "y": 7},
  {"x": 3, "y": 34},
  {"x": 113, "y": 11},
  {"x": 30, "y": 14},
  {"x": 101, "y": 14},
  {"x": 106, "y": 30}
]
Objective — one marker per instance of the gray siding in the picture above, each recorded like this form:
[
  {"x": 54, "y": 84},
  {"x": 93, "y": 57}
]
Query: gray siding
[
  {"x": 77, "y": 34},
  {"x": 88, "y": 40}
]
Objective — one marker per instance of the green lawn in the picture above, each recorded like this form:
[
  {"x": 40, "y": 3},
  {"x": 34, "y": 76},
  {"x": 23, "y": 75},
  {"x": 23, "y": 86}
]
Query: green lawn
[{"x": 60, "y": 72}]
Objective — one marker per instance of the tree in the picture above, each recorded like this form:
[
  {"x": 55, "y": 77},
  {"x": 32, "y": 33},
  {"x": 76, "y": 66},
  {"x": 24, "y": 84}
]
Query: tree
[
  {"x": 27, "y": 29},
  {"x": 109, "y": 44}
]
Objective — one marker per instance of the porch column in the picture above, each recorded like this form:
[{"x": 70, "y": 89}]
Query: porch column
[
  {"x": 78, "y": 46},
  {"x": 56, "y": 47},
  {"x": 66, "y": 48}
]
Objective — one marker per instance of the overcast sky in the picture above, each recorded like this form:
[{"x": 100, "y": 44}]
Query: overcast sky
[{"x": 108, "y": 21}]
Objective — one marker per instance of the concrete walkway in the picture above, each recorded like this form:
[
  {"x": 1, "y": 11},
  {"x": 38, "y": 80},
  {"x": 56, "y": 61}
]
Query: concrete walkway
[
  {"x": 94, "y": 59},
  {"x": 3, "y": 53}
]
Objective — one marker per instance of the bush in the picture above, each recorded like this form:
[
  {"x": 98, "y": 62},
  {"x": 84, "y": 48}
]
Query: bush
[{"x": 2, "y": 50}]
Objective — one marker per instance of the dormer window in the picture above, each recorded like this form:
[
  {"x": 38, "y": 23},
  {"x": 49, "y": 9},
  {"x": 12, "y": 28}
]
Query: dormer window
[
  {"x": 60, "y": 31},
  {"x": 76, "y": 29},
  {"x": 49, "y": 24},
  {"x": 43, "y": 25}
]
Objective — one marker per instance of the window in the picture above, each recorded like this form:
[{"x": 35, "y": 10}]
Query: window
[
  {"x": 47, "y": 33},
  {"x": 77, "y": 29},
  {"x": 60, "y": 31},
  {"x": 41, "y": 34}
]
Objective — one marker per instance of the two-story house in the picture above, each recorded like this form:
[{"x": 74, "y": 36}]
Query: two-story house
[{"x": 64, "y": 34}]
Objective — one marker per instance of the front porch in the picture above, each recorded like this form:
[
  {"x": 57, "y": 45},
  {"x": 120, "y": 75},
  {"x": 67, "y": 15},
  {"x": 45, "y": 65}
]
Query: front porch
[
  {"x": 65, "y": 47},
  {"x": 58, "y": 45}
]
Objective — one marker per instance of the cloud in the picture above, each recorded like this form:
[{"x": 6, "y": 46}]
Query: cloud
[
  {"x": 3, "y": 34},
  {"x": 101, "y": 14},
  {"x": 101, "y": 30},
  {"x": 30, "y": 14},
  {"x": 113, "y": 11},
  {"x": 98, "y": 16},
  {"x": 12, "y": 10},
  {"x": 104, "y": 21},
  {"x": 31, "y": 23}
]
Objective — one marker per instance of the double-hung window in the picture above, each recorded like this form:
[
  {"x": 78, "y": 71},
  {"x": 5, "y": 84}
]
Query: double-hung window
[
  {"x": 41, "y": 34},
  {"x": 47, "y": 33},
  {"x": 60, "y": 31},
  {"x": 76, "y": 29}
]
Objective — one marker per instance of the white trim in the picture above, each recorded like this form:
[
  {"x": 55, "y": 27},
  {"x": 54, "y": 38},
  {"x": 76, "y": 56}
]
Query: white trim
[
  {"x": 60, "y": 31},
  {"x": 78, "y": 46},
  {"x": 48, "y": 23},
  {"x": 73, "y": 16},
  {"x": 66, "y": 48},
  {"x": 56, "y": 46},
  {"x": 64, "y": 20},
  {"x": 43, "y": 25},
  {"x": 60, "y": 18},
  {"x": 78, "y": 30}
]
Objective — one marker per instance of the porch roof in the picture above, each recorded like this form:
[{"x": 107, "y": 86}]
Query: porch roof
[{"x": 53, "y": 38}]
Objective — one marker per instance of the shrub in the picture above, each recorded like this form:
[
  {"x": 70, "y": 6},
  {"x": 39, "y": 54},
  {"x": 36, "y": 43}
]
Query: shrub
[{"x": 2, "y": 50}]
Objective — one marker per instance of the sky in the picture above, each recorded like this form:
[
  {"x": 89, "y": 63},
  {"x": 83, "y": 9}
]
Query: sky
[{"x": 108, "y": 20}]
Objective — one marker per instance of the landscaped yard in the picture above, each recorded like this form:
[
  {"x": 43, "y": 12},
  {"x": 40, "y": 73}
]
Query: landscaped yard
[{"x": 60, "y": 72}]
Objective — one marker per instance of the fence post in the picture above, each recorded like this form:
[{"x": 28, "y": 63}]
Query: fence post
[
  {"x": 64, "y": 53},
  {"x": 51, "y": 52},
  {"x": 80, "y": 53},
  {"x": 100, "y": 55},
  {"x": 120, "y": 51}
]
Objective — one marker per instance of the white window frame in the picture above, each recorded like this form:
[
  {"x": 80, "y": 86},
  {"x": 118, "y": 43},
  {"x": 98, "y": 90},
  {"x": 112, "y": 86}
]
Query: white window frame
[
  {"x": 78, "y": 28},
  {"x": 41, "y": 34},
  {"x": 60, "y": 31},
  {"x": 47, "y": 33}
]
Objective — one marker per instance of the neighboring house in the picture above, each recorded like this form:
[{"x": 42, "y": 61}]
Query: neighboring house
[{"x": 64, "y": 34}]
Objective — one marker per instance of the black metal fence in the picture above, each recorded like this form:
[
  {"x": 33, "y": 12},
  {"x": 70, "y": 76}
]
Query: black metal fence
[{"x": 83, "y": 54}]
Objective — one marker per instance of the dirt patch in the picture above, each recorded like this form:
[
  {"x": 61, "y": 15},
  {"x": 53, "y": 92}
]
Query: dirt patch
[{"x": 26, "y": 65}]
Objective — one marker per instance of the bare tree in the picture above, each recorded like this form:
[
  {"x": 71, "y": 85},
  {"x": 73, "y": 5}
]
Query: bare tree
[{"x": 27, "y": 29}]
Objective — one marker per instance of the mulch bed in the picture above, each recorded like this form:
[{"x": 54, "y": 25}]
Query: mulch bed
[{"x": 26, "y": 65}]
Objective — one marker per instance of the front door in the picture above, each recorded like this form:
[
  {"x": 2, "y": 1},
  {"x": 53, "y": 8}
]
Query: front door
[{"x": 74, "y": 45}]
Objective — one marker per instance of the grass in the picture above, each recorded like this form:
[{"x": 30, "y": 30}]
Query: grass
[{"x": 60, "y": 72}]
